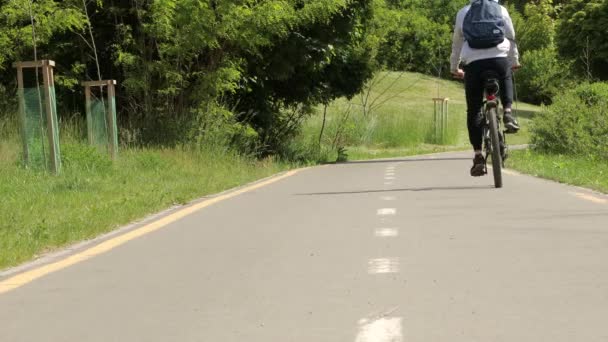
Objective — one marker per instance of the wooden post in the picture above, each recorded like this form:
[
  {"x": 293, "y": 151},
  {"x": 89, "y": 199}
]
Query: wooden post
[
  {"x": 87, "y": 95},
  {"x": 22, "y": 116},
  {"x": 52, "y": 129},
  {"x": 443, "y": 128},
  {"x": 436, "y": 121},
  {"x": 50, "y": 118},
  {"x": 110, "y": 119},
  {"x": 446, "y": 113},
  {"x": 113, "y": 134},
  {"x": 441, "y": 118}
]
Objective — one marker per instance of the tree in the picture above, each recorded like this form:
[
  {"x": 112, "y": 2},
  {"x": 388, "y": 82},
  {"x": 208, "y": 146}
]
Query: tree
[
  {"x": 584, "y": 22},
  {"x": 535, "y": 29},
  {"x": 415, "y": 35}
]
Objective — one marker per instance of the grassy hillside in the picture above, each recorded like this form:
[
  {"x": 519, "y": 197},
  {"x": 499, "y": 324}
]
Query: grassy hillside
[{"x": 398, "y": 119}]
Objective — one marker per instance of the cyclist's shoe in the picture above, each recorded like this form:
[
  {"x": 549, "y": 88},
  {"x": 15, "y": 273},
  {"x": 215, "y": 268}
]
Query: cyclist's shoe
[
  {"x": 511, "y": 124},
  {"x": 479, "y": 166}
]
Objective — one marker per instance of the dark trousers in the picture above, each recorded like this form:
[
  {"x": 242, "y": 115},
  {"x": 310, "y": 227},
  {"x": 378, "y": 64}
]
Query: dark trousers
[{"x": 474, "y": 87}]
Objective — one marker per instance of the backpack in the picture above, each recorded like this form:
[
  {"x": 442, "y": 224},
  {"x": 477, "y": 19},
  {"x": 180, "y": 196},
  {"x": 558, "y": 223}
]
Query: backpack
[{"x": 484, "y": 25}]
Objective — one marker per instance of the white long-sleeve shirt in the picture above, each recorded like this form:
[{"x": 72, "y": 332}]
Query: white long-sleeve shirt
[{"x": 462, "y": 52}]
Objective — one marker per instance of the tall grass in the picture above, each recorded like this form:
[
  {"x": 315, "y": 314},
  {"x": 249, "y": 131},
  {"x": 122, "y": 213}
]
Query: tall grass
[{"x": 41, "y": 212}]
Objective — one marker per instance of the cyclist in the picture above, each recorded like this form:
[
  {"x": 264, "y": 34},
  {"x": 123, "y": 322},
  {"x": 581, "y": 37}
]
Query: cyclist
[{"x": 484, "y": 40}]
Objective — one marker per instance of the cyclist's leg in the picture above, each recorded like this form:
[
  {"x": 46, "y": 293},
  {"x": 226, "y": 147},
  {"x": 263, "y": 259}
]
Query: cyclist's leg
[
  {"x": 503, "y": 67},
  {"x": 474, "y": 95}
]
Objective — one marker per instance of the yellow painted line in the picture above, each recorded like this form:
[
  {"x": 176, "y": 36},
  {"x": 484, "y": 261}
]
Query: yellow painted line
[
  {"x": 591, "y": 198},
  {"x": 31, "y": 275},
  {"x": 511, "y": 172},
  {"x": 507, "y": 171}
]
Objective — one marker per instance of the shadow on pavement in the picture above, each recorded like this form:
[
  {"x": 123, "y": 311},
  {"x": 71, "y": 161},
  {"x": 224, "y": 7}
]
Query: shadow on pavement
[
  {"x": 401, "y": 160},
  {"x": 438, "y": 188}
]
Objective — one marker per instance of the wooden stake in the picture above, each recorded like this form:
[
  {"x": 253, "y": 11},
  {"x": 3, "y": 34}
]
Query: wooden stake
[
  {"x": 441, "y": 117},
  {"x": 22, "y": 116},
  {"x": 87, "y": 94},
  {"x": 46, "y": 75},
  {"x": 112, "y": 126},
  {"x": 110, "y": 119}
]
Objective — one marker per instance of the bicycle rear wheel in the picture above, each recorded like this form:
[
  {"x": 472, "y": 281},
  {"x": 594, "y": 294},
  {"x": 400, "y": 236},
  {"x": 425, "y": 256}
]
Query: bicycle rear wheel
[{"x": 495, "y": 146}]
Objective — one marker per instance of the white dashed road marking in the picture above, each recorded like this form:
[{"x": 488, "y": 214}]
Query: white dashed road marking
[
  {"x": 387, "y": 232},
  {"x": 385, "y": 329},
  {"x": 387, "y": 211},
  {"x": 383, "y": 265}
]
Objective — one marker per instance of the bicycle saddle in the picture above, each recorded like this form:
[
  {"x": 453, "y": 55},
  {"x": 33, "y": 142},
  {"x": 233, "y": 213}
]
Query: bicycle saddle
[{"x": 490, "y": 79}]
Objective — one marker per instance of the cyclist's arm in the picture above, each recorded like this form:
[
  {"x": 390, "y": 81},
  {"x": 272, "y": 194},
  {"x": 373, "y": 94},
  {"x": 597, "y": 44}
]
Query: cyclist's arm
[
  {"x": 457, "y": 42},
  {"x": 510, "y": 35}
]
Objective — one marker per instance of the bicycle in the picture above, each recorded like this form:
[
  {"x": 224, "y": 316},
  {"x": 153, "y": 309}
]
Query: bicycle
[{"x": 495, "y": 143}]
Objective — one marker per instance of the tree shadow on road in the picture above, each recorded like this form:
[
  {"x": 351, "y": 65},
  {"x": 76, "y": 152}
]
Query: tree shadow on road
[{"x": 421, "y": 189}]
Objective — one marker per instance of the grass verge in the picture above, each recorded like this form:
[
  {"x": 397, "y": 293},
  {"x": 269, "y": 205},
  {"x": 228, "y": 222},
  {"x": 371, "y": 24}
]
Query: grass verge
[
  {"x": 582, "y": 171},
  {"x": 41, "y": 212}
]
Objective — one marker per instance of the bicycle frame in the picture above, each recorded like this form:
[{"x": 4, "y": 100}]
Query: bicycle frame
[
  {"x": 492, "y": 101},
  {"x": 494, "y": 139}
]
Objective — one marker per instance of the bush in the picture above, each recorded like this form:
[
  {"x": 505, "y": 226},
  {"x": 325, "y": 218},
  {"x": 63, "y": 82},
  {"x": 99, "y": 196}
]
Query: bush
[
  {"x": 576, "y": 123},
  {"x": 543, "y": 76},
  {"x": 581, "y": 35}
]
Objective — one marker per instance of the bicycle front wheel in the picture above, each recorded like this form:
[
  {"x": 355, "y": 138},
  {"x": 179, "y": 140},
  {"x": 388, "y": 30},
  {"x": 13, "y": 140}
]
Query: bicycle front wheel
[{"x": 495, "y": 146}]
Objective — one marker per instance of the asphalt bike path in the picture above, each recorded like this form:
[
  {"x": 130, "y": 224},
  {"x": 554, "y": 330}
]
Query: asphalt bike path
[{"x": 409, "y": 249}]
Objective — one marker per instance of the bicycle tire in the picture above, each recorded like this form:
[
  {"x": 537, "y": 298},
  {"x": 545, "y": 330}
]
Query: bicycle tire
[{"x": 495, "y": 141}]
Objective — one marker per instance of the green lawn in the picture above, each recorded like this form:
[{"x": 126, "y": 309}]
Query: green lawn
[
  {"x": 41, "y": 212},
  {"x": 583, "y": 171}
]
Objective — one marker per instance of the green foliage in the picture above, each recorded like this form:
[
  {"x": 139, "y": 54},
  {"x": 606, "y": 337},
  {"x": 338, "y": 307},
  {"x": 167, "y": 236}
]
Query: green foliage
[
  {"x": 535, "y": 29},
  {"x": 415, "y": 35},
  {"x": 576, "y": 123},
  {"x": 242, "y": 73},
  {"x": 176, "y": 58},
  {"x": 545, "y": 73},
  {"x": 218, "y": 128},
  {"x": 581, "y": 35},
  {"x": 543, "y": 76},
  {"x": 50, "y": 17}
]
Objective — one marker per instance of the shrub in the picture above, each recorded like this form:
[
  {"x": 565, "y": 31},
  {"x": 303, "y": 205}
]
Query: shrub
[
  {"x": 543, "y": 75},
  {"x": 576, "y": 123}
]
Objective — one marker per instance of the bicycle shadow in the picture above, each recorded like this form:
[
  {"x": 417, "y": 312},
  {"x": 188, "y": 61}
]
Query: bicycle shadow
[
  {"x": 418, "y": 189},
  {"x": 402, "y": 160}
]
